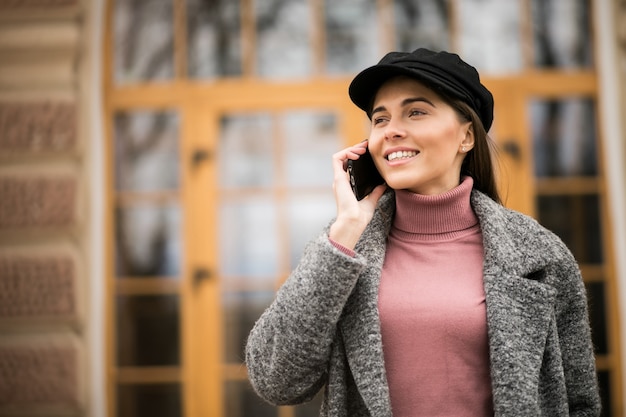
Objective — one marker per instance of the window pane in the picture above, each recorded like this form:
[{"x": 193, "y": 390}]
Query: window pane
[
  {"x": 240, "y": 400},
  {"x": 148, "y": 241},
  {"x": 149, "y": 400},
  {"x": 352, "y": 35},
  {"x": 143, "y": 40},
  {"x": 562, "y": 33},
  {"x": 490, "y": 35},
  {"x": 597, "y": 317},
  {"x": 312, "y": 408},
  {"x": 604, "y": 382},
  {"x": 576, "y": 219},
  {"x": 240, "y": 311},
  {"x": 148, "y": 330},
  {"x": 214, "y": 36},
  {"x": 246, "y": 151},
  {"x": 249, "y": 238},
  {"x": 311, "y": 139},
  {"x": 564, "y": 137},
  {"x": 146, "y": 151},
  {"x": 308, "y": 214},
  {"x": 421, "y": 24},
  {"x": 284, "y": 38}
]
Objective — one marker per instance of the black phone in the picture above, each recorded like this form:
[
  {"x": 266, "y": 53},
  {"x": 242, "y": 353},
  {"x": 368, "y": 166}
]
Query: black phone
[{"x": 364, "y": 176}]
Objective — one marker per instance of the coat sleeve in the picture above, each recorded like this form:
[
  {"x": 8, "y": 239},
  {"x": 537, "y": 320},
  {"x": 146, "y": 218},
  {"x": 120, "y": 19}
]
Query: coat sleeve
[
  {"x": 575, "y": 340},
  {"x": 288, "y": 349}
]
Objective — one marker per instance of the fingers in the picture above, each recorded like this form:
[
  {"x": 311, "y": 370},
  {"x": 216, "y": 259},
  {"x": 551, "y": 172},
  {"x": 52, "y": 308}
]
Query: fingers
[{"x": 340, "y": 159}]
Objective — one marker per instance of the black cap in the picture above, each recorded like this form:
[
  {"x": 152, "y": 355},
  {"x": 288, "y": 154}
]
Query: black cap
[{"x": 444, "y": 72}]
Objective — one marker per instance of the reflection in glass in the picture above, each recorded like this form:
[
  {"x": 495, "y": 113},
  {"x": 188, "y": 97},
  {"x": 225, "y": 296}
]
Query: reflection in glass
[
  {"x": 240, "y": 400},
  {"x": 597, "y": 317},
  {"x": 148, "y": 242},
  {"x": 214, "y": 37},
  {"x": 249, "y": 238},
  {"x": 576, "y": 220},
  {"x": 146, "y": 151},
  {"x": 284, "y": 38},
  {"x": 311, "y": 139},
  {"x": 421, "y": 24},
  {"x": 149, "y": 400},
  {"x": 148, "y": 330},
  {"x": 562, "y": 33},
  {"x": 308, "y": 214},
  {"x": 564, "y": 137},
  {"x": 604, "y": 383},
  {"x": 312, "y": 408},
  {"x": 490, "y": 35},
  {"x": 246, "y": 151},
  {"x": 143, "y": 40},
  {"x": 240, "y": 311},
  {"x": 352, "y": 35}
]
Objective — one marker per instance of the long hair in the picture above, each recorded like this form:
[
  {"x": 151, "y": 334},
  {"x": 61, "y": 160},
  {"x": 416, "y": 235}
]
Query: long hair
[{"x": 480, "y": 160}]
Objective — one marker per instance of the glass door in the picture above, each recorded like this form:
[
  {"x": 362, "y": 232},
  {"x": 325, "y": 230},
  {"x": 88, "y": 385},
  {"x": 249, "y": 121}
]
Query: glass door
[{"x": 268, "y": 188}]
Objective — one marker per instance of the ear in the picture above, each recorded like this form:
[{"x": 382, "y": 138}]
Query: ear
[{"x": 468, "y": 140}]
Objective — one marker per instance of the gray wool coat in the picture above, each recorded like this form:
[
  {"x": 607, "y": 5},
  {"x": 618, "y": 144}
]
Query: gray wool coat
[{"x": 323, "y": 329}]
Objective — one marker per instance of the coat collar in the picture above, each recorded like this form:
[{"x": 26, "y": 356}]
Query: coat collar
[{"x": 510, "y": 302}]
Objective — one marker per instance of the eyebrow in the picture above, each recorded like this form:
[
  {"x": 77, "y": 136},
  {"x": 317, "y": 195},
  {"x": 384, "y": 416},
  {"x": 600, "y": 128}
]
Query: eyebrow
[{"x": 405, "y": 102}]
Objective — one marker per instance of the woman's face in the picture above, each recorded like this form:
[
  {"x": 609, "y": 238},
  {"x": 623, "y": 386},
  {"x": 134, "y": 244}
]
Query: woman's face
[{"x": 416, "y": 138}]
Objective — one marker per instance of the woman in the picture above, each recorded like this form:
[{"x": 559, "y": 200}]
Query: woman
[{"x": 428, "y": 297}]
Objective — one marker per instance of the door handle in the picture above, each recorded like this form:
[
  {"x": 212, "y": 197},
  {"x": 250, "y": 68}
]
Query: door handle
[
  {"x": 200, "y": 275},
  {"x": 512, "y": 148},
  {"x": 199, "y": 156}
]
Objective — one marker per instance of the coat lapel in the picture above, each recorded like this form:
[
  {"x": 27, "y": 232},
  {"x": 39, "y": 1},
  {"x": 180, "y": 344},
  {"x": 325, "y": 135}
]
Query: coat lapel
[
  {"x": 360, "y": 324},
  {"x": 520, "y": 309}
]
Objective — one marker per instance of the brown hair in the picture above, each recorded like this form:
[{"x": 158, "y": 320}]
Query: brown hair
[{"x": 479, "y": 161}]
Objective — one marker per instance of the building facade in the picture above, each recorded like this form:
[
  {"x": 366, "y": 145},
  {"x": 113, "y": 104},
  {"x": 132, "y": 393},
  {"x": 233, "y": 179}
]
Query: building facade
[{"x": 163, "y": 162}]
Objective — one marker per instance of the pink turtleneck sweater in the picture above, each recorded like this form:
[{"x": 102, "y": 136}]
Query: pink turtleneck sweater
[{"x": 432, "y": 308}]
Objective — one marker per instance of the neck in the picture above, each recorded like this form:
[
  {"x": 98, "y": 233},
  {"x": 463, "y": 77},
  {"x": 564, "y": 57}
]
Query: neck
[{"x": 434, "y": 217}]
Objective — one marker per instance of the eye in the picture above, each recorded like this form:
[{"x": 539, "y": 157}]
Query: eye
[
  {"x": 416, "y": 112},
  {"x": 378, "y": 120}
]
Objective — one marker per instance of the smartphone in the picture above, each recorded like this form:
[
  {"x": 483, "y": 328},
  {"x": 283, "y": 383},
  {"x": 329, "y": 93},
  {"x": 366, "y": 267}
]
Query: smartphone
[{"x": 364, "y": 176}]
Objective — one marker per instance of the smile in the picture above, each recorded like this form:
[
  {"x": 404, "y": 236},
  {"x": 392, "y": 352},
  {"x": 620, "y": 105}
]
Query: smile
[{"x": 394, "y": 156}]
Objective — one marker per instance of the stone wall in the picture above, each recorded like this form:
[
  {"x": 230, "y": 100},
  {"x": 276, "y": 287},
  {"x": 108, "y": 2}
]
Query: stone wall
[{"x": 43, "y": 224}]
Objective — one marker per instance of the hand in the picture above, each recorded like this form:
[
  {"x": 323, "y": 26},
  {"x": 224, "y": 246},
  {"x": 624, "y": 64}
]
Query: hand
[{"x": 352, "y": 215}]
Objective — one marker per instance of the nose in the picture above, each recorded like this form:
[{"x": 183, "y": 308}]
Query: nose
[{"x": 394, "y": 130}]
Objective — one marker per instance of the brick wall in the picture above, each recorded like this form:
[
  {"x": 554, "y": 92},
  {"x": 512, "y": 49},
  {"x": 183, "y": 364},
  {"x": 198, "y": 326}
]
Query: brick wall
[{"x": 43, "y": 268}]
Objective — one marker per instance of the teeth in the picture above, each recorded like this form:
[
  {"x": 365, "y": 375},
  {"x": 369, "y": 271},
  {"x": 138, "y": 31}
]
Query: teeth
[{"x": 401, "y": 155}]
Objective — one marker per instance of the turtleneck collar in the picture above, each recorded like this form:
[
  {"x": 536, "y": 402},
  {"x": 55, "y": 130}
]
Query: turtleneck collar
[{"x": 435, "y": 217}]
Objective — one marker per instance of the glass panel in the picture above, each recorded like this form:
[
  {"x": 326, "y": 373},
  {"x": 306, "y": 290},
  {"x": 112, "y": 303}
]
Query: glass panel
[
  {"x": 490, "y": 35},
  {"x": 148, "y": 241},
  {"x": 597, "y": 317},
  {"x": 604, "y": 381},
  {"x": 149, "y": 400},
  {"x": 308, "y": 214},
  {"x": 249, "y": 238},
  {"x": 421, "y": 24},
  {"x": 143, "y": 40},
  {"x": 311, "y": 140},
  {"x": 241, "y": 401},
  {"x": 564, "y": 137},
  {"x": 562, "y": 33},
  {"x": 576, "y": 220},
  {"x": 284, "y": 38},
  {"x": 148, "y": 330},
  {"x": 312, "y": 408},
  {"x": 352, "y": 35},
  {"x": 146, "y": 151},
  {"x": 214, "y": 36},
  {"x": 246, "y": 151},
  {"x": 240, "y": 311}
]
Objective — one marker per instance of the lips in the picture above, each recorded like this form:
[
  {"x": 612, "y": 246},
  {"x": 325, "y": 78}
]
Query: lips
[{"x": 394, "y": 156}]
